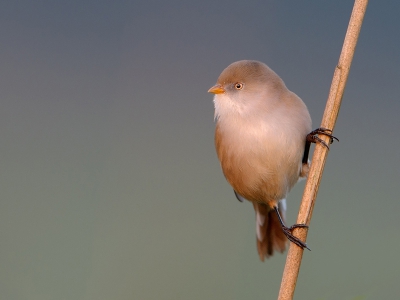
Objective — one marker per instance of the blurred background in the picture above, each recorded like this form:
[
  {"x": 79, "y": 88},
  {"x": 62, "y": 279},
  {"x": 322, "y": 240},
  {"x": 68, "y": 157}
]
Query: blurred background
[{"x": 110, "y": 187}]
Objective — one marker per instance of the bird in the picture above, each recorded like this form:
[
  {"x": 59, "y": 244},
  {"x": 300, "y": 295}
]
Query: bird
[{"x": 262, "y": 138}]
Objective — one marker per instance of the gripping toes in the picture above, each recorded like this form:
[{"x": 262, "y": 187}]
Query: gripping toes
[
  {"x": 312, "y": 137},
  {"x": 288, "y": 232}
]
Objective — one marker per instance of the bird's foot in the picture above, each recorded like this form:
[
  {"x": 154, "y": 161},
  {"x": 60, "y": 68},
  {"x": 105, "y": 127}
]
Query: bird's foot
[
  {"x": 312, "y": 137},
  {"x": 288, "y": 232}
]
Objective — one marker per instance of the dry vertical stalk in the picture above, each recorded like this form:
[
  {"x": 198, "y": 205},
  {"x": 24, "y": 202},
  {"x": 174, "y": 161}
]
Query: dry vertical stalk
[{"x": 295, "y": 253}]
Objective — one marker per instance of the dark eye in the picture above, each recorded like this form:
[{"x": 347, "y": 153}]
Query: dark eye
[{"x": 238, "y": 85}]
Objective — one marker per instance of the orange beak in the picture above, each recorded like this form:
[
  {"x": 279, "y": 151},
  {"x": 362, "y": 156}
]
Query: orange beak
[{"x": 217, "y": 89}]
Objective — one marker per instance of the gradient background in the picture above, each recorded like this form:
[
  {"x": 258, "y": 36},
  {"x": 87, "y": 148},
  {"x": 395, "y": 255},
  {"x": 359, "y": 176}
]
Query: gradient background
[{"x": 110, "y": 187}]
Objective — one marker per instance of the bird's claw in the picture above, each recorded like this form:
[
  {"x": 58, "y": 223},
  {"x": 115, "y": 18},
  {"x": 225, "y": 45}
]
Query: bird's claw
[
  {"x": 312, "y": 137},
  {"x": 288, "y": 232}
]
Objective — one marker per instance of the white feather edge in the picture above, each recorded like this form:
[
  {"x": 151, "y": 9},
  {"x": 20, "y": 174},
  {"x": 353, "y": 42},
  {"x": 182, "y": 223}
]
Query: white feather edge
[{"x": 260, "y": 219}]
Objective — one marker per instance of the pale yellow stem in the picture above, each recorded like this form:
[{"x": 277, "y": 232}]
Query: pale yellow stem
[{"x": 341, "y": 73}]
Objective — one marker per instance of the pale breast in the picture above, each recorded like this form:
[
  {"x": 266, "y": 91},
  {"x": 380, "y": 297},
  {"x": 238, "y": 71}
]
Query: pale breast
[{"x": 261, "y": 164}]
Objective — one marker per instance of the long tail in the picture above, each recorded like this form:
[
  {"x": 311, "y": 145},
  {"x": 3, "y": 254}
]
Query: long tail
[{"x": 270, "y": 235}]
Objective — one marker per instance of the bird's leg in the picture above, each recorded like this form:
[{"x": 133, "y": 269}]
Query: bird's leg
[
  {"x": 312, "y": 137},
  {"x": 306, "y": 152},
  {"x": 288, "y": 231}
]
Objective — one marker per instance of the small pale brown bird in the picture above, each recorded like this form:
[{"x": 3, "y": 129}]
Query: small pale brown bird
[{"x": 262, "y": 137}]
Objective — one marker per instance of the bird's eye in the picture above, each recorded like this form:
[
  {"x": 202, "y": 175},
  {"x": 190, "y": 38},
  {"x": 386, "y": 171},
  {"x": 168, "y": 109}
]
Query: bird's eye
[{"x": 238, "y": 85}]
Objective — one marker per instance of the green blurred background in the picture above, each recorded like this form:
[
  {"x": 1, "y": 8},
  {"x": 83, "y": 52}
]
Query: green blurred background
[{"x": 110, "y": 187}]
